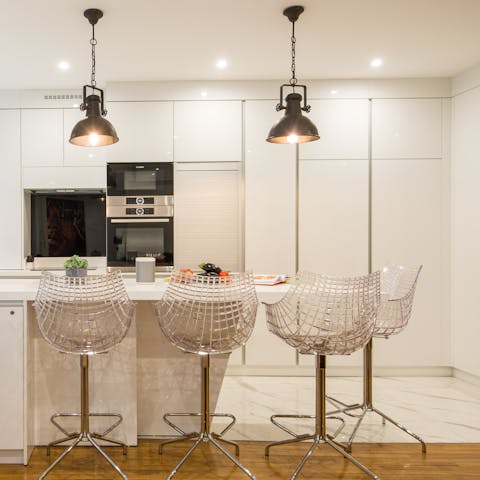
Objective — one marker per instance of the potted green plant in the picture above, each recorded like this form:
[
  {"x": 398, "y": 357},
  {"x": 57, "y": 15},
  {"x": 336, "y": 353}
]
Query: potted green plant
[{"x": 75, "y": 266}]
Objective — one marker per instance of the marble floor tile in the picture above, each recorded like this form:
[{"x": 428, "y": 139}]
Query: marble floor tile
[{"x": 439, "y": 409}]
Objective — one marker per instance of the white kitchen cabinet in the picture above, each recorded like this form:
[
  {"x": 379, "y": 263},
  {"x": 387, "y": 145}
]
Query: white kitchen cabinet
[
  {"x": 334, "y": 217},
  {"x": 208, "y": 131},
  {"x": 87, "y": 177},
  {"x": 11, "y": 254},
  {"x": 75, "y": 155},
  {"x": 409, "y": 228},
  {"x": 343, "y": 128},
  {"x": 269, "y": 194},
  {"x": 42, "y": 137},
  {"x": 145, "y": 131},
  {"x": 208, "y": 215},
  {"x": 11, "y": 373},
  {"x": 407, "y": 128}
]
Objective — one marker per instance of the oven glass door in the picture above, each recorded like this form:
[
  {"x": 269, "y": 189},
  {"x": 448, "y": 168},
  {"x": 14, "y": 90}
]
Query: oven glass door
[
  {"x": 129, "y": 238},
  {"x": 132, "y": 179}
]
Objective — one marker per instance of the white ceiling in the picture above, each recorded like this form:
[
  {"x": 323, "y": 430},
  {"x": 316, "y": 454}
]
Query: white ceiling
[{"x": 141, "y": 40}]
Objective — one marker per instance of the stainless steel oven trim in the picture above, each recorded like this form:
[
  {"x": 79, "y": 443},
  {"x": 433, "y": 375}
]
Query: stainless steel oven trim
[
  {"x": 121, "y": 201},
  {"x": 140, "y": 220},
  {"x": 121, "y": 211}
]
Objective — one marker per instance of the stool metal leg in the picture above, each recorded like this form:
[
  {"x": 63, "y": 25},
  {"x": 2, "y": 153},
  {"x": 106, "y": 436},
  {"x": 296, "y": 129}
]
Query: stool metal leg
[
  {"x": 367, "y": 405},
  {"x": 85, "y": 433},
  {"x": 204, "y": 435},
  {"x": 320, "y": 436}
]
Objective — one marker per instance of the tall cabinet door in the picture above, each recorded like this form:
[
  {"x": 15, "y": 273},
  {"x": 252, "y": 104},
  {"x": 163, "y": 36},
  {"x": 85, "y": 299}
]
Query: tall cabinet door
[
  {"x": 208, "y": 215},
  {"x": 11, "y": 255},
  {"x": 333, "y": 194},
  {"x": 410, "y": 222},
  {"x": 269, "y": 221}
]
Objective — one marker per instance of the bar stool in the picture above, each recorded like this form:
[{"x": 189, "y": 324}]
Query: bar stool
[
  {"x": 83, "y": 316},
  {"x": 322, "y": 316},
  {"x": 398, "y": 286},
  {"x": 206, "y": 316}
]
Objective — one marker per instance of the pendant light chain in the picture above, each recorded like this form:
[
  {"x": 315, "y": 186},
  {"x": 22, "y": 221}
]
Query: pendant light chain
[
  {"x": 293, "y": 80},
  {"x": 93, "y": 42}
]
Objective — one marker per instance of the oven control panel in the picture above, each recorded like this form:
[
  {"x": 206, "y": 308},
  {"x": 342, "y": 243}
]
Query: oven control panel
[{"x": 140, "y": 211}]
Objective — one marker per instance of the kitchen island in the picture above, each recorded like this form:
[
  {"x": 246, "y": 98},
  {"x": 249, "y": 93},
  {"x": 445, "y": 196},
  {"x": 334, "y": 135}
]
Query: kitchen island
[{"x": 142, "y": 378}]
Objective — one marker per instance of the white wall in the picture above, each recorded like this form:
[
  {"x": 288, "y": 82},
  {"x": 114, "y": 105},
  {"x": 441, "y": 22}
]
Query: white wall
[{"x": 465, "y": 178}]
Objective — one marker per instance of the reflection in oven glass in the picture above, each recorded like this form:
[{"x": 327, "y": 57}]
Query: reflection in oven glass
[{"x": 141, "y": 242}]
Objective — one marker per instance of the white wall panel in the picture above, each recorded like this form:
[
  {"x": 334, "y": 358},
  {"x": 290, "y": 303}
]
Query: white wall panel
[
  {"x": 407, "y": 128},
  {"x": 42, "y": 137},
  {"x": 144, "y": 129},
  {"x": 207, "y": 207},
  {"x": 343, "y": 128},
  {"x": 269, "y": 194},
  {"x": 407, "y": 229},
  {"x": 11, "y": 254},
  {"x": 466, "y": 230},
  {"x": 207, "y": 131}
]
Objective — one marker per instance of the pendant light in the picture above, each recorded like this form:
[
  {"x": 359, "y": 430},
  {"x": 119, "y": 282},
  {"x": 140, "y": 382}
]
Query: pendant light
[
  {"x": 93, "y": 131},
  {"x": 293, "y": 127}
]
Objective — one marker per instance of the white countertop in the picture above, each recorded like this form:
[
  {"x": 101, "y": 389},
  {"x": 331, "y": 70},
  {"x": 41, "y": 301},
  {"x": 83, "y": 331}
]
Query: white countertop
[{"x": 19, "y": 288}]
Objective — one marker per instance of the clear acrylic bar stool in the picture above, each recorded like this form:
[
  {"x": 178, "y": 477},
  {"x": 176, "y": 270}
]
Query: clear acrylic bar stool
[
  {"x": 398, "y": 286},
  {"x": 83, "y": 316},
  {"x": 206, "y": 316},
  {"x": 323, "y": 315}
]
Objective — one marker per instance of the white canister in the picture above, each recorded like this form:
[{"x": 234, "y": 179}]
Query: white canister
[{"x": 145, "y": 269}]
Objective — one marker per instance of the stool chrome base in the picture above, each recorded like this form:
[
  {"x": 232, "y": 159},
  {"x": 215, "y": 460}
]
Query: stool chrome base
[
  {"x": 99, "y": 436},
  {"x": 320, "y": 436},
  {"x": 367, "y": 405},
  {"x": 85, "y": 433},
  {"x": 204, "y": 435}
]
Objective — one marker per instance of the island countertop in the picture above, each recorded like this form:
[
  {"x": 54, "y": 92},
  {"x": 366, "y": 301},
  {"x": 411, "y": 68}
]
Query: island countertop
[{"x": 25, "y": 289}]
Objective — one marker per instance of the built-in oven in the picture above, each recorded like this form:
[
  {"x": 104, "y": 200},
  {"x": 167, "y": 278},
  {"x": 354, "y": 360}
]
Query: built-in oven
[
  {"x": 139, "y": 179},
  {"x": 140, "y": 226}
]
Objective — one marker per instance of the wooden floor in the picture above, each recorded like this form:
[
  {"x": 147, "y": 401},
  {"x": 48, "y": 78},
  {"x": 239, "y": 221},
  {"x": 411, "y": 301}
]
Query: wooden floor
[{"x": 388, "y": 461}]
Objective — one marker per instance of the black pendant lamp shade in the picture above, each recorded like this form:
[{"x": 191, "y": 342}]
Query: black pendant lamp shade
[
  {"x": 294, "y": 127},
  {"x": 94, "y": 130}
]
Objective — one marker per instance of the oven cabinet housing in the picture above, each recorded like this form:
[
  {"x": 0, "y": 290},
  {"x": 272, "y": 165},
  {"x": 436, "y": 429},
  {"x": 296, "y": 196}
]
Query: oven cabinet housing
[
  {"x": 208, "y": 214},
  {"x": 12, "y": 375},
  {"x": 145, "y": 130}
]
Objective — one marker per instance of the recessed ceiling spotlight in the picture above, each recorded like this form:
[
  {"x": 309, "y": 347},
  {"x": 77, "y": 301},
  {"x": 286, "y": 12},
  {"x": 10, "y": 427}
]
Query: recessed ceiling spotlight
[
  {"x": 63, "y": 66},
  {"x": 203, "y": 93},
  {"x": 333, "y": 92},
  {"x": 221, "y": 63},
  {"x": 75, "y": 105},
  {"x": 376, "y": 62}
]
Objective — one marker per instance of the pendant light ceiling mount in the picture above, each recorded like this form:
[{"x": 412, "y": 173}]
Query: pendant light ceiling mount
[
  {"x": 93, "y": 131},
  {"x": 293, "y": 127},
  {"x": 93, "y": 15},
  {"x": 292, "y": 13}
]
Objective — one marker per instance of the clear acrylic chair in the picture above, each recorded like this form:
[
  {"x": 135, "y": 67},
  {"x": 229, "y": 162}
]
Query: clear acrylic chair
[
  {"x": 207, "y": 315},
  {"x": 83, "y": 316},
  {"x": 398, "y": 286},
  {"x": 323, "y": 315}
]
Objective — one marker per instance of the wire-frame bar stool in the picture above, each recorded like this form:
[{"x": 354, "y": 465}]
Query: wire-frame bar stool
[
  {"x": 207, "y": 315},
  {"x": 324, "y": 315},
  {"x": 84, "y": 316},
  {"x": 398, "y": 284}
]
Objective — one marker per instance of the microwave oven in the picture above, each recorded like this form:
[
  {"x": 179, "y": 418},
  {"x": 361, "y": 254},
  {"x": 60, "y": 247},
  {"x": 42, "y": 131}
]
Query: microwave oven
[{"x": 139, "y": 179}]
